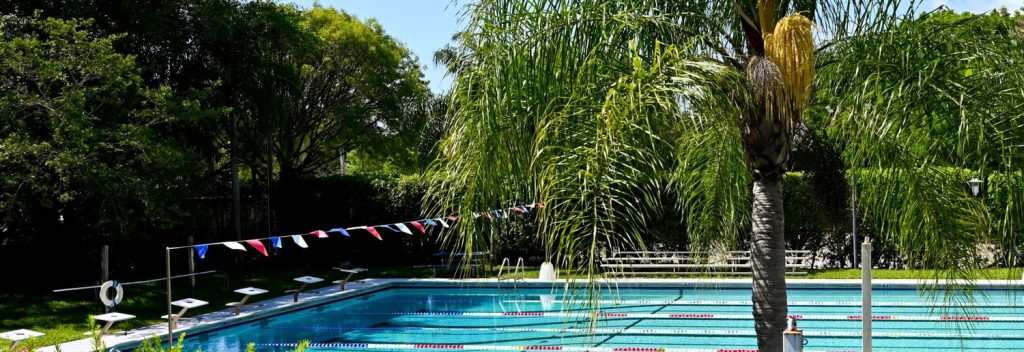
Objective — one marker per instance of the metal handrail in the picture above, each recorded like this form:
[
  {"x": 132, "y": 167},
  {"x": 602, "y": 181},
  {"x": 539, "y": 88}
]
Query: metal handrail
[
  {"x": 501, "y": 269},
  {"x": 519, "y": 270}
]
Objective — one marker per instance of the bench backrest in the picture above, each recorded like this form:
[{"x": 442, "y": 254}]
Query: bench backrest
[{"x": 793, "y": 257}]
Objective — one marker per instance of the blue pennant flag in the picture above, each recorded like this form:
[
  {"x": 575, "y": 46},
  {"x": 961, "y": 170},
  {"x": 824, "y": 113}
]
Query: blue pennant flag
[
  {"x": 525, "y": 209},
  {"x": 430, "y": 222},
  {"x": 201, "y": 250},
  {"x": 392, "y": 228},
  {"x": 275, "y": 242},
  {"x": 499, "y": 214},
  {"x": 340, "y": 230}
]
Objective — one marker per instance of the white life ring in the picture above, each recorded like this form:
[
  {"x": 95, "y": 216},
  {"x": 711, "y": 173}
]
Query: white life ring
[{"x": 118, "y": 293}]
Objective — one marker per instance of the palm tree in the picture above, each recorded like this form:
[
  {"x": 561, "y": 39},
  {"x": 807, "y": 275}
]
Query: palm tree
[{"x": 599, "y": 108}]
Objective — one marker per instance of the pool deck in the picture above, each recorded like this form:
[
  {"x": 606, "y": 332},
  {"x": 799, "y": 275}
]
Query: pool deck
[
  {"x": 277, "y": 305},
  {"x": 222, "y": 318}
]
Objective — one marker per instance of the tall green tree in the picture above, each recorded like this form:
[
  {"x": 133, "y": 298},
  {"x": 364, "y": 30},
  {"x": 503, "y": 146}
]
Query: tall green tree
[
  {"x": 357, "y": 88},
  {"x": 84, "y": 142},
  {"x": 599, "y": 108}
]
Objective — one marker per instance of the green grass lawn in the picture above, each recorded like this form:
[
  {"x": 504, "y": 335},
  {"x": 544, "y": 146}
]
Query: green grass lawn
[{"x": 63, "y": 316}]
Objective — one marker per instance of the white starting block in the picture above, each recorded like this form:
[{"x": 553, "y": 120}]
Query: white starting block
[
  {"x": 185, "y": 305},
  {"x": 110, "y": 319},
  {"x": 248, "y": 292},
  {"x": 305, "y": 280},
  {"x": 351, "y": 271},
  {"x": 19, "y": 335}
]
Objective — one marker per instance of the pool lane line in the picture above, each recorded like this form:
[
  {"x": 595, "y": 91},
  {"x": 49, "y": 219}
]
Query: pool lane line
[
  {"x": 649, "y": 331},
  {"x": 791, "y": 303},
  {"x": 435, "y": 346},
  {"x": 598, "y": 315},
  {"x": 723, "y": 303},
  {"x": 691, "y": 316}
]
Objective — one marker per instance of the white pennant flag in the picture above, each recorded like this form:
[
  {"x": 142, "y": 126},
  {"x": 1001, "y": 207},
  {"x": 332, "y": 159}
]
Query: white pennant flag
[
  {"x": 234, "y": 245},
  {"x": 299, "y": 241},
  {"x": 404, "y": 228},
  {"x": 443, "y": 223}
]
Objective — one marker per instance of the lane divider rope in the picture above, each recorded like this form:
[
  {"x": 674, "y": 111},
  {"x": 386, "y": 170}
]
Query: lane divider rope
[
  {"x": 791, "y": 303},
  {"x": 642, "y": 331},
  {"x": 431, "y": 346},
  {"x": 718, "y": 303},
  {"x": 692, "y": 316}
]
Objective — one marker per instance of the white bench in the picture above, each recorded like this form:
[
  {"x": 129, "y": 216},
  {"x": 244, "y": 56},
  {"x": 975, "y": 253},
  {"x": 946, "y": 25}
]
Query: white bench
[{"x": 694, "y": 263}]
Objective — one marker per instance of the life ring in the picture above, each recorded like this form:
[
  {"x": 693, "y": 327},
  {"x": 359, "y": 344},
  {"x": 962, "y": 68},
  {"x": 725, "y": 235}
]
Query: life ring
[{"x": 118, "y": 293}]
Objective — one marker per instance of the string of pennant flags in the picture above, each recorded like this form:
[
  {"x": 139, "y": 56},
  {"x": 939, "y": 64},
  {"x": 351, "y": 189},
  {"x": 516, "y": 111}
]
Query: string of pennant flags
[{"x": 402, "y": 227}]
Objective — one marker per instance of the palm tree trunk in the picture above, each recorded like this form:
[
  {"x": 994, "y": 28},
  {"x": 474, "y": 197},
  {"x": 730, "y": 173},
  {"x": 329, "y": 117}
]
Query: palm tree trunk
[{"x": 768, "y": 263}]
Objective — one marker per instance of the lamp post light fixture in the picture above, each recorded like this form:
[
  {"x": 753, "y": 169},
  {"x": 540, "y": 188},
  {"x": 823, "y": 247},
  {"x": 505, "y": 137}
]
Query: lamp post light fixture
[{"x": 975, "y": 185}]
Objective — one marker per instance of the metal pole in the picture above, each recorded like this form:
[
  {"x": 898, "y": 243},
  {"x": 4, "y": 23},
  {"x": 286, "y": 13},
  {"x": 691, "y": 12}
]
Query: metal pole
[
  {"x": 104, "y": 263},
  {"x": 866, "y": 293},
  {"x": 170, "y": 314},
  {"x": 192, "y": 266},
  {"x": 853, "y": 210}
]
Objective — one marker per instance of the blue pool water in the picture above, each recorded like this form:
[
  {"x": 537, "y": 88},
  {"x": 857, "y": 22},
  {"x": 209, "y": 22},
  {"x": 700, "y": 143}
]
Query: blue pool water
[{"x": 673, "y": 318}]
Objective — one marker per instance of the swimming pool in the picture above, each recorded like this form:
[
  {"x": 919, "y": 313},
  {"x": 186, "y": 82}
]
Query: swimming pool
[{"x": 633, "y": 317}]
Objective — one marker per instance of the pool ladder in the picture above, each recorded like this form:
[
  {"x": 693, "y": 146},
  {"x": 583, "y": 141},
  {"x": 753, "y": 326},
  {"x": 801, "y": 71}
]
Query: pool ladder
[{"x": 518, "y": 273}]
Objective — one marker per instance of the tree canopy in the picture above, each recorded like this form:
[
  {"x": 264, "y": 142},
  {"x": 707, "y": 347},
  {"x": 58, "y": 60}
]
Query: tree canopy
[
  {"x": 82, "y": 137},
  {"x": 127, "y": 113}
]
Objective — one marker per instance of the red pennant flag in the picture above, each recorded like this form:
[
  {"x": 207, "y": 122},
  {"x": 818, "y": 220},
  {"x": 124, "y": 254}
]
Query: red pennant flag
[
  {"x": 538, "y": 205},
  {"x": 418, "y": 226},
  {"x": 373, "y": 232},
  {"x": 258, "y": 246},
  {"x": 319, "y": 234},
  {"x": 516, "y": 209},
  {"x": 453, "y": 218},
  {"x": 486, "y": 214}
]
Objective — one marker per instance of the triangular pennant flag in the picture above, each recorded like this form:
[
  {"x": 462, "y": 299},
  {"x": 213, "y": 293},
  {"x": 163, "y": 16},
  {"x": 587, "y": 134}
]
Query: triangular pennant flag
[
  {"x": 517, "y": 209},
  {"x": 404, "y": 228},
  {"x": 340, "y": 230},
  {"x": 319, "y": 233},
  {"x": 525, "y": 209},
  {"x": 259, "y": 247},
  {"x": 486, "y": 214},
  {"x": 453, "y": 217},
  {"x": 538, "y": 205},
  {"x": 430, "y": 222},
  {"x": 418, "y": 226},
  {"x": 201, "y": 250},
  {"x": 234, "y": 245},
  {"x": 475, "y": 215},
  {"x": 275, "y": 242},
  {"x": 390, "y": 228},
  {"x": 499, "y": 214},
  {"x": 373, "y": 232},
  {"x": 299, "y": 241},
  {"x": 443, "y": 223}
]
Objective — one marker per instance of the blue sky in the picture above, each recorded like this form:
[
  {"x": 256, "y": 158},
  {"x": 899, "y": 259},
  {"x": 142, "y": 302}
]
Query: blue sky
[{"x": 427, "y": 25}]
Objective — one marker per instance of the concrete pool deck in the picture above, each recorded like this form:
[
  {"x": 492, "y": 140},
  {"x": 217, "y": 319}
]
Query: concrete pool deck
[
  {"x": 221, "y": 318},
  {"x": 284, "y": 303}
]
